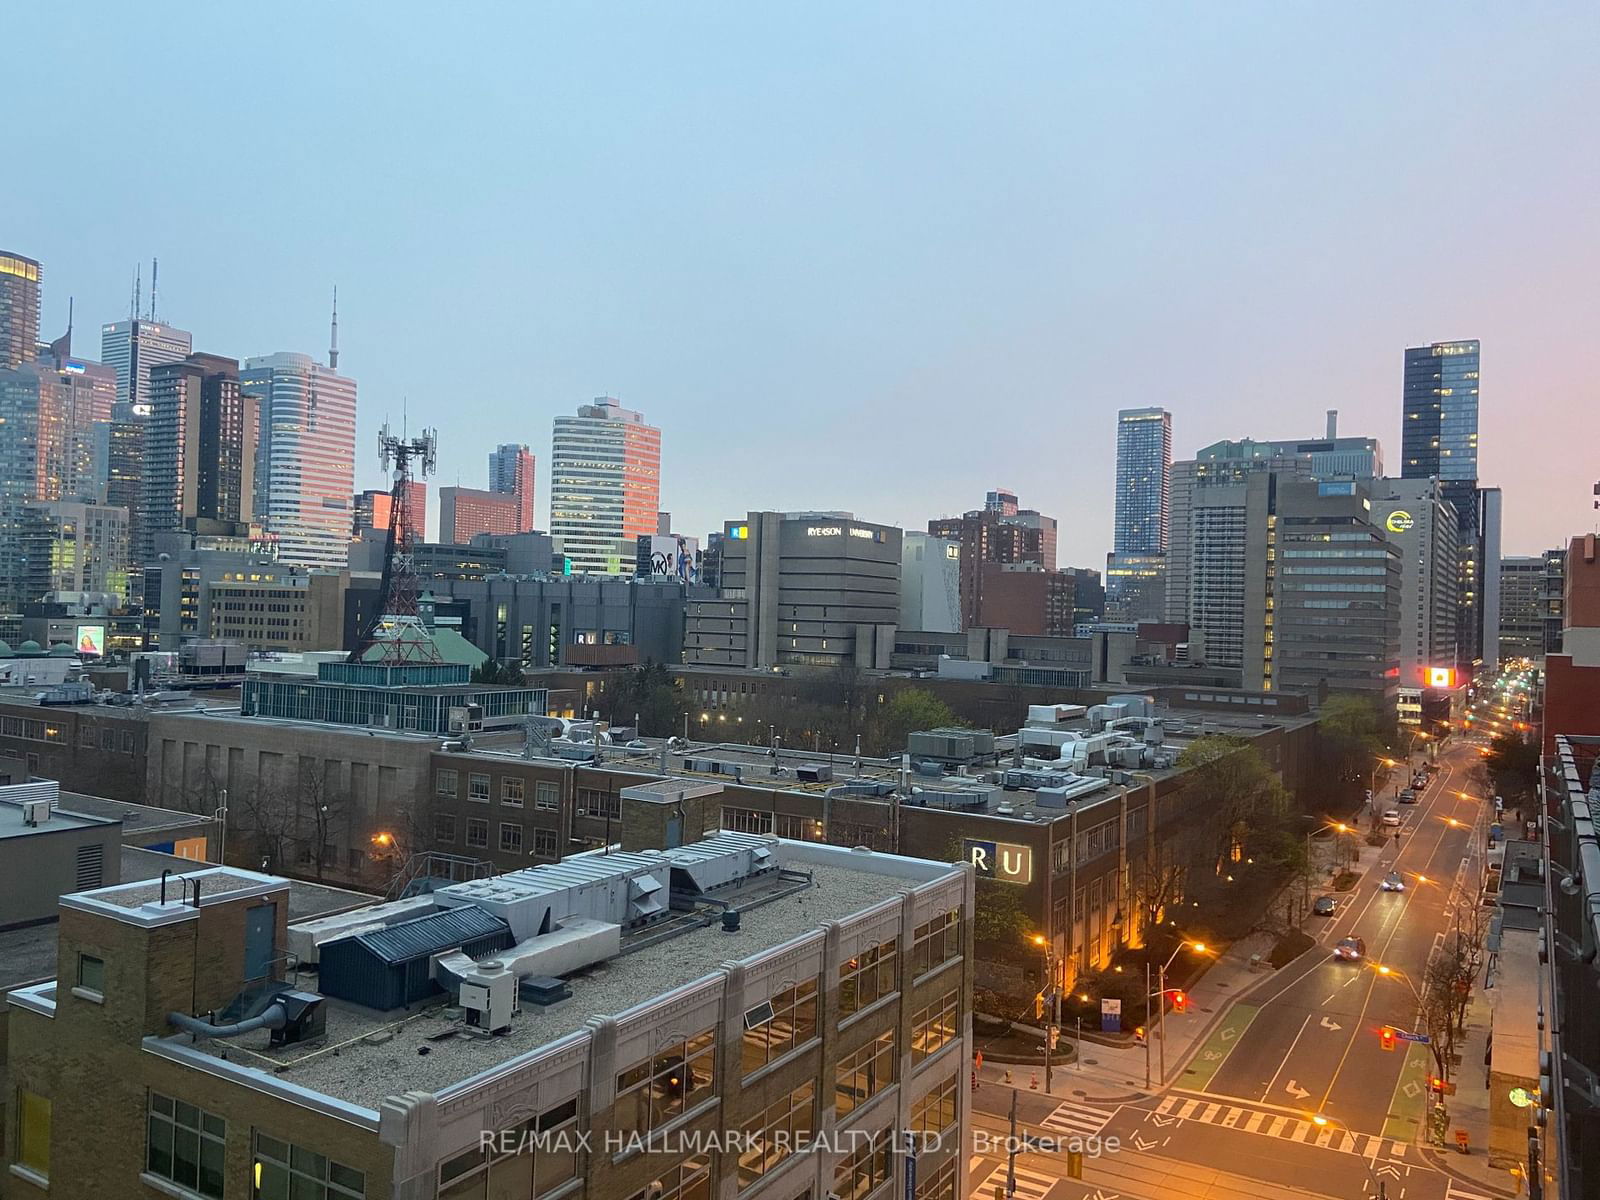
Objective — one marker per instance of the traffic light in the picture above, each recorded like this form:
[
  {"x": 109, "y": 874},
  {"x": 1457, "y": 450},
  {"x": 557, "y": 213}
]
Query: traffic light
[
  {"x": 1386, "y": 1037},
  {"x": 1055, "y": 1035},
  {"x": 1038, "y": 1007},
  {"x": 1180, "y": 1002},
  {"x": 1435, "y": 1083}
]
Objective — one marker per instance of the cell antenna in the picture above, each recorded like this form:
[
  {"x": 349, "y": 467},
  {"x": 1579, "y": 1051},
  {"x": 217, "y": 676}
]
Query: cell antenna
[
  {"x": 154, "y": 266},
  {"x": 138, "y": 291},
  {"x": 333, "y": 341},
  {"x": 396, "y": 628}
]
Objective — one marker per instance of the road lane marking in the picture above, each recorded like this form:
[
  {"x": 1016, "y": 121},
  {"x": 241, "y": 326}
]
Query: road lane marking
[
  {"x": 1292, "y": 1129},
  {"x": 1203, "y": 1068},
  {"x": 1031, "y": 1184},
  {"x": 1167, "y": 1105},
  {"x": 1255, "y": 1122},
  {"x": 1288, "y": 1054},
  {"x": 1456, "y": 1192},
  {"x": 1082, "y": 1119}
]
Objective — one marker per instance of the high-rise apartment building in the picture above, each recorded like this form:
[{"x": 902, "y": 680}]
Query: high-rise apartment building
[
  {"x": 1136, "y": 566},
  {"x": 1522, "y": 589},
  {"x": 1439, "y": 440},
  {"x": 69, "y": 546},
  {"x": 998, "y": 533},
  {"x": 199, "y": 451},
  {"x": 19, "y": 309},
  {"x": 307, "y": 445},
  {"x": 467, "y": 512},
  {"x": 1422, "y": 524},
  {"x": 511, "y": 474},
  {"x": 605, "y": 485},
  {"x": 133, "y": 348},
  {"x": 30, "y": 437},
  {"x": 1552, "y": 600}
]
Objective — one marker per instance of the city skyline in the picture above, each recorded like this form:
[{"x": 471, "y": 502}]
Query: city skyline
[{"x": 1041, "y": 263}]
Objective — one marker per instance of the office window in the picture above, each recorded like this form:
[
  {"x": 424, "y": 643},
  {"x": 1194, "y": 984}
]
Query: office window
[
  {"x": 546, "y": 844},
  {"x": 445, "y": 783},
  {"x": 477, "y": 832},
  {"x": 545, "y": 1158},
  {"x": 593, "y": 802},
  {"x": 33, "y": 1132},
  {"x": 511, "y": 792},
  {"x": 779, "y": 1025},
  {"x": 511, "y": 837},
  {"x": 185, "y": 1145},
  {"x": 935, "y": 1026},
  {"x": 865, "y": 1073},
  {"x": 867, "y": 977},
  {"x": 936, "y": 1111},
  {"x": 941, "y": 1185},
  {"x": 800, "y": 829},
  {"x": 288, "y": 1172},
  {"x": 478, "y": 788},
  {"x": 776, "y": 1132},
  {"x": 444, "y": 828},
  {"x": 936, "y": 942},
  {"x": 547, "y": 796},
  {"x": 92, "y": 973},
  {"x": 688, "y": 1180},
  {"x": 866, "y": 1168},
  {"x": 746, "y": 820},
  {"x": 666, "y": 1085}
]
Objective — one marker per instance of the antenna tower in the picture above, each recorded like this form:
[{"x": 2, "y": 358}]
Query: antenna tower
[
  {"x": 396, "y": 624},
  {"x": 333, "y": 342}
]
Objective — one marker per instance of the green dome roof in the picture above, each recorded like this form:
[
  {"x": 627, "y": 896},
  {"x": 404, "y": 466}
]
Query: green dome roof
[
  {"x": 62, "y": 650},
  {"x": 29, "y": 647},
  {"x": 5, "y": 646}
]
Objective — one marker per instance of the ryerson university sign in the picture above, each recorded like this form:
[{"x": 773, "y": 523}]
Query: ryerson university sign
[
  {"x": 999, "y": 860},
  {"x": 840, "y": 531}
]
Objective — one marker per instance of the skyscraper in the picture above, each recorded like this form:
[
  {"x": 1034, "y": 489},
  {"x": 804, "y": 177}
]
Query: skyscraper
[
  {"x": 1522, "y": 607},
  {"x": 374, "y": 507},
  {"x": 132, "y": 348},
  {"x": 605, "y": 485},
  {"x": 1135, "y": 568},
  {"x": 999, "y": 533},
  {"x": 1417, "y": 519},
  {"x": 1439, "y": 440},
  {"x": 29, "y": 427},
  {"x": 466, "y": 512},
  {"x": 511, "y": 474},
  {"x": 199, "y": 451},
  {"x": 307, "y": 445},
  {"x": 19, "y": 308}
]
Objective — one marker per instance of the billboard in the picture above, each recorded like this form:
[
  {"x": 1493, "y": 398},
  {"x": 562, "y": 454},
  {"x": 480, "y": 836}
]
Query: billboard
[
  {"x": 670, "y": 556},
  {"x": 1441, "y": 677},
  {"x": 91, "y": 640}
]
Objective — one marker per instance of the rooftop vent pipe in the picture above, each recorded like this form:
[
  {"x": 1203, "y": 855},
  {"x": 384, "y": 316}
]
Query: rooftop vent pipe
[{"x": 274, "y": 1017}]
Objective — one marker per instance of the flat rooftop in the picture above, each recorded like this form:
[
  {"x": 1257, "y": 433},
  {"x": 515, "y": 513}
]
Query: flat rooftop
[
  {"x": 381, "y": 1054},
  {"x": 12, "y": 824}
]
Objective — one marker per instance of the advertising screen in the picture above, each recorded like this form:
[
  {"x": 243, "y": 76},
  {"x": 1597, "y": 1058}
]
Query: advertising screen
[{"x": 91, "y": 640}]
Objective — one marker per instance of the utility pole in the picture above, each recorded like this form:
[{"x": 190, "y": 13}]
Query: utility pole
[
  {"x": 1147, "y": 1029},
  {"x": 1011, "y": 1149}
]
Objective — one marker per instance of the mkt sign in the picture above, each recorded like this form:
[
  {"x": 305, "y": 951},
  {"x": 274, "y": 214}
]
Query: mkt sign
[{"x": 1005, "y": 861}]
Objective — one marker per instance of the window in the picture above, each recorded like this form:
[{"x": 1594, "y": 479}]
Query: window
[
  {"x": 33, "y": 1133},
  {"x": 511, "y": 837},
  {"x": 864, "y": 1169},
  {"x": 286, "y": 1171},
  {"x": 542, "y": 1157},
  {"x": 92, "y": 973},
  {"x": 936, "y": 942},
  {"x": 941, "y": 1185},
  {"x": 935, "y": 1026},
  {"x": 592, "y": 802},
  {"x": 777, "y": 1026},
  {"x": 867, "y": 977},
  {"x": 673, "y": 1080},
  {"x": 445, "y": 783},
  {"x": 800, "y": 829},
  {"x": 444, "y": 829},
  {"x": 185, "y": 1145},
  {"x": 478, "y": 788},
  {"x": 746, "y": 820},
  {"x": 547, "y": 796},
  {"x": 865, "y": 1073},
  {"x": 936, "y": 1111},
  {"x": 86, "y": 736},
  {"x": 477, "y": 832},
  {"x": 688, "y": 1180},
  {"x": 511, "y": 792},
  {"x": 545, "y": 844},
  {"x": 777, "y": 1132}
]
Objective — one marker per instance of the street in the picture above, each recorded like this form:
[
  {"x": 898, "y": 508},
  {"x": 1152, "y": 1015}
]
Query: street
[{"x": 1238, "y": 1119}]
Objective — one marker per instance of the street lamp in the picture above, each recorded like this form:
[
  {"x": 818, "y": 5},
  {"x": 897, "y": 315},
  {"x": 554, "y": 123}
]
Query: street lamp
[
  {"x": 1161, "y": 995},
  {"x": 1323, "y": 1122},
  {"x": 1043, "y": 943}
]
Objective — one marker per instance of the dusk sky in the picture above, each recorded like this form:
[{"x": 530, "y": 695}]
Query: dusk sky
[{"x": 875, "y": 257}]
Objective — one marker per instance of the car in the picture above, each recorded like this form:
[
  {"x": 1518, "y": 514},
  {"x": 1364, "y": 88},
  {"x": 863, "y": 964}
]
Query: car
[
  {"x": 1350, "y": 949},
  {"x": 1393, "y": 882},
  {"x": 1324, "y": 906},
  {"x": 1391, "y": 819},
  {"x": 1420, "y": 782},
  {"x": 1407, "y": 797}
]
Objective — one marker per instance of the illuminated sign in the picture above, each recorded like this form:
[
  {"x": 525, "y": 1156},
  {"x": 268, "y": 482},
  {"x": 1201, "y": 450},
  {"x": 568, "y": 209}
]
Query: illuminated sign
[
  {"x": 1441, "y": 677},
  {"x": 739, "y": 532},
  {"x": 92, "y": 640},
  {"x": 952, "y": 551},
  {"x": 1399, "y": 521},
  {"x": 999, "y": 860},
  {"x": 824, "y": 531},
  {"x": 869, "y": 534}
]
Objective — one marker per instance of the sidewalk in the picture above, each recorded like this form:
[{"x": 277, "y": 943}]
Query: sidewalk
[
  {"x": 1118, "y": 1072},
  {"x": 1469, "y": 1110}
]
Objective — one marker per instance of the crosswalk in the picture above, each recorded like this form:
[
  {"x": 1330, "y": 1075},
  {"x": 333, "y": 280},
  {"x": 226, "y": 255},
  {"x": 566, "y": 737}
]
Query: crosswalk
[
  {"x": 1031, "y": 1184},
  {"x": 1077, "y": 1120},
  {"x": 1277, "y": 1125},
  {"x": 1456, "y": 1192}
]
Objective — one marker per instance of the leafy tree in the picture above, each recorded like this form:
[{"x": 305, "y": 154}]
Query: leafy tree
[
  {"x": 651, "y": 693},
  {"x": 1228, "y": 778},
  {"x": 1352, "y": 736},
  {"x": 492, "y": 671},
  {"x": 1513, "y": 767},
  {"x": 911, "y": 709}
]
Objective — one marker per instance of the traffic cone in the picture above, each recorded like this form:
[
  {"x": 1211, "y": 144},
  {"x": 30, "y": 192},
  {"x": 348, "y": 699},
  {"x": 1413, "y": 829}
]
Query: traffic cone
[{"x": 1034, "y": 1081}]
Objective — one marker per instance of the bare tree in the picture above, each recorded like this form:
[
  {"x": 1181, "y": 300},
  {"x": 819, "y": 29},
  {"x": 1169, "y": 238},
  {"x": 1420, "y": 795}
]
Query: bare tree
[
  {"x": 321, "y": 810},
  {"x": 266, "y": 820}
]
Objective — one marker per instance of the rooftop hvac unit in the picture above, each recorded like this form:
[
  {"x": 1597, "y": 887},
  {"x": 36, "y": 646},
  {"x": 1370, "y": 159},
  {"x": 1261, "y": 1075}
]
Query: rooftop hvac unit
[
  {"x": 35, "y": 812},
  {"x": 489, "y": 997},
  {"x": 813, "y": 772},
  {"x": 304, "y": 1018}
]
